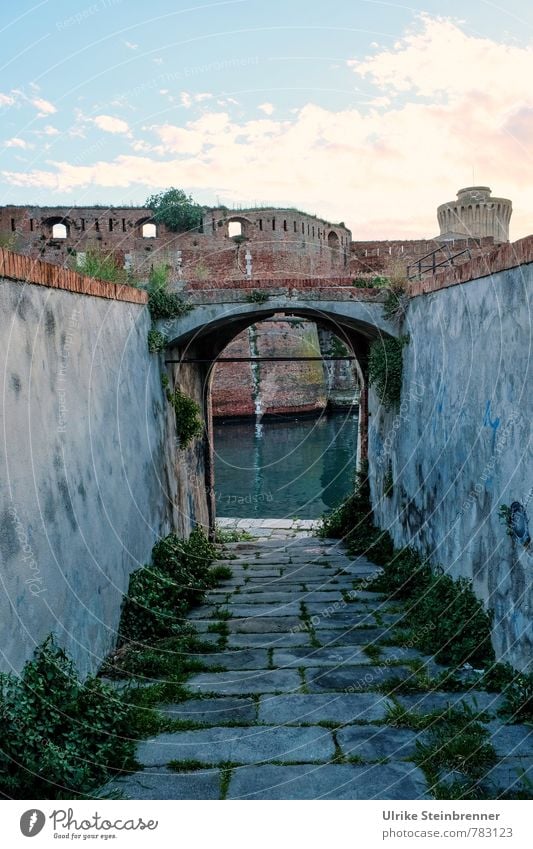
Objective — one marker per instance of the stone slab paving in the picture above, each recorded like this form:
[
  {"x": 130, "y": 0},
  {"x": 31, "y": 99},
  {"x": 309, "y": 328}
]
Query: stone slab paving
[
  {"x": 219, "y": 711},
  {"x": 342, "y": 782},
  {"x": 239, "y": 745},
  {"x": 293, "y": 704},
  {"x": 166, "y": 784}
]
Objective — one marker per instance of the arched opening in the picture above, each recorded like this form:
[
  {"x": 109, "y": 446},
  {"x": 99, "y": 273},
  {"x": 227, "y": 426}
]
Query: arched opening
[
  {"x": 284, "y": 404},
  {"x": 333, "y": 240},
  {"x": 149, "y": 230},
  {"x": 234, "y": 229},
  {"x": 59, "y": 231},
  {"x": 56, "y": 227}
]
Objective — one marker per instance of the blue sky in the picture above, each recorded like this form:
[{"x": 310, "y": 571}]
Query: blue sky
[{"x": 370, "y": 112}]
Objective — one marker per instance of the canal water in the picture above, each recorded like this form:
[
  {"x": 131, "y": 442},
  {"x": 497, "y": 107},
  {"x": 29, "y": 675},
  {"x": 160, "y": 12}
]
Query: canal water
[{"x": 291, "y": 469}]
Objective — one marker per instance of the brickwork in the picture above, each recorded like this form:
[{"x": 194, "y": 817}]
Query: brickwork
[
  {"x": 270, "y": 242},
  {"x": 498, "y": 259},
  {"x": 16, "y": 267}
]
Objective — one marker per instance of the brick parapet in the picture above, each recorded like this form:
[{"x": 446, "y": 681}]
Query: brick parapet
[
  {"x": 502, "y": 258},
  {"x": 17, "y": 267}
]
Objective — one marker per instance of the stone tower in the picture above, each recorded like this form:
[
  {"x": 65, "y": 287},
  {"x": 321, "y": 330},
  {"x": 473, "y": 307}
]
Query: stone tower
[{"x": 475, "y": 214}]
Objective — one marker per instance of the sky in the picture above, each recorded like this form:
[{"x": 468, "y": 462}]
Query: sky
[{"x": 372, "y": 113}]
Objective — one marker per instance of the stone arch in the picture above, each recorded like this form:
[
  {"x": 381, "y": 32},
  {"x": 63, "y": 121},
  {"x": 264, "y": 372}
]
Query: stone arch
[
  {"x": 198, "y": 339},
  {"x": 333, "y": 240},
  {"x": 57, "y": 227}
]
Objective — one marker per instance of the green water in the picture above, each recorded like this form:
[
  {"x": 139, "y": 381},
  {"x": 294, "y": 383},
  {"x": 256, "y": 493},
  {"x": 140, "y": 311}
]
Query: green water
[{"x": 284, "y": 469}]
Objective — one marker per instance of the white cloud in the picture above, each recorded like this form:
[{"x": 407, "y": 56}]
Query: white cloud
[
  {"x": 110, "y": 124},
  {"x": 50, "y": 131},
  {"x": 131, "y": 46},
  {"x": 457, "y": 101},
  {"x": 6, "y": 99},
  {"x": 267, "y": 108},
  {"x": 16, "y": 142},
  {"x": 44, "y": 106}
]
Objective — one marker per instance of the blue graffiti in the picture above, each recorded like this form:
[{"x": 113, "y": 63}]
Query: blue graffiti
[{"x": 492, "y": 423}]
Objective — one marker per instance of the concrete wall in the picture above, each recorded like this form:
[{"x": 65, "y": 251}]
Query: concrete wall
[
  {"x": 90, "y": 474},
  {"x": 460, "y": 444}
]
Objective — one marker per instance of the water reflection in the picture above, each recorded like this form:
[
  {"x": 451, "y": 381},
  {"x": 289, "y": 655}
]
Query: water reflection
[{"x": 294, "y": 468}]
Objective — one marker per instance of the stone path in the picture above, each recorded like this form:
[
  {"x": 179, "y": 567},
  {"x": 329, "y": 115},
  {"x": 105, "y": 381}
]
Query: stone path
[{"x": 288, "y": 707}]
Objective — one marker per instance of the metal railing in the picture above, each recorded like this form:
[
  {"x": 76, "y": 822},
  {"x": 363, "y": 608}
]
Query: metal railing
[{"x": 423, "y": 266}]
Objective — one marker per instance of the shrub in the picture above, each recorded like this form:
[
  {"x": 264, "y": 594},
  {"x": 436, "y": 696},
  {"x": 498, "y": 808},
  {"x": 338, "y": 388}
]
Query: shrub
[
  {"x": 189, "y": 423},
  {"x": 160, "y": 595},
  {"x": 101, "y": 266},
  {"x": 161, "y": 302},
  {"x": 257, "y": 297},
  {"x": 405, "y": 575},
  {"x": 518, "y": 698},
  {"x": 385, "y": 368},
  {"x": 156, "y": 341},
  {"x": 461, "y": 632},
  {"x": 394, "y": 306},
  {"x": 176, "y": 210},
  {"x": 352, "y": 512},
  {"x": 60, "y": 738}
]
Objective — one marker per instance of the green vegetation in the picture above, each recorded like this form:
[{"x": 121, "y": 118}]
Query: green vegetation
[
  {"x": 388, "y": 482},
  {"x": 337, "y": 348},
  {"x": 257, "y": 297},
  {"x": 234, "y": 535},
  {"x": 60, "y": 738},
  {"x": 394, "y": 306},
  {"x": 458, "y": 743},
  {"x": 444, "y": 615},
  {"x": 189, "y": 423},
  {"x": 160, "y": 595},
  {"x": 376, "y": 282},
  {"x": 161, "y": 302},
  {"x": 101, "y": 266},
  {"x": 156, "y": 341},
  {"x": 385, "y": 368},
  {"x": 176, "y": 210}
]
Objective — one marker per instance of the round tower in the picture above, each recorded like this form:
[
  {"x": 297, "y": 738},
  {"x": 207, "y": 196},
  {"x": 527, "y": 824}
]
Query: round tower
[{"x": 475, "y": 214}]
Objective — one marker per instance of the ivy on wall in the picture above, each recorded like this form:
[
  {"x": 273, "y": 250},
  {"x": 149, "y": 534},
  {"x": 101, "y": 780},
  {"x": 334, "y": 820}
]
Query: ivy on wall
[{"x": 385, "y": 368}]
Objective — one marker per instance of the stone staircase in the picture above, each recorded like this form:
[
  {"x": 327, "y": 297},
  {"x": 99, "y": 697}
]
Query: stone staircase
[{"x": 293, "y": 703}]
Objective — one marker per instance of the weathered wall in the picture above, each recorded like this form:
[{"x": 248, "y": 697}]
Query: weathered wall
[
  {"x": 283, "y": 388},
  {"x": 460, "y": 445},
  {"x": 89, "y": 469}
]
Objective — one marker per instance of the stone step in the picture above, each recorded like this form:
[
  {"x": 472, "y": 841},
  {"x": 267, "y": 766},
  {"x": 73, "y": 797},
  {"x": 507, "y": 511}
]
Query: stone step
[
  {"x": 333, "y": 781},
  {"x": 219, "y": 711},
  {"x": 317, "y": 657},
  {"x": 270, "y": 640},
  {"x": 313, "y": 708},
  {"x": 245, "y": 682},
  {"x": 354, "y": 678},
  {"x": 163, "y": 783},
  {"x": 252, "y": 745}
]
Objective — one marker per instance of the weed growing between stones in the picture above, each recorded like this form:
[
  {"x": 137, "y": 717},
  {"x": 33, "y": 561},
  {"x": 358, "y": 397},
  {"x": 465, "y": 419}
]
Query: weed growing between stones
[
  {"x": 223, "y": 536},
  {"x": 456, "y": 755},
  {"x": 257, "y": 297},
  {"x": 61, "y": 738}
]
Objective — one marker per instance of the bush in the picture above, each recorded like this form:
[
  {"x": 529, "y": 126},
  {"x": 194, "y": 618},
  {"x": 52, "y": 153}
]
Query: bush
[
  {"x": 352, "y": 513},
  {"x": 161, "y": 302},
  {"x": 101, "y": 266},
  {"x": 156, "y": 341},
  {"x": 189, "y": 423},
  {"x": 60, "y": 738},
  {"x": 405, "y": 575},
  {"x": 160, "y": 595},
  {"x": 461, "y": 632},
  {"x": 385, "y": 368},
  {"x": 176, "y": 210},
  {"x": 257, "y": 297}
]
